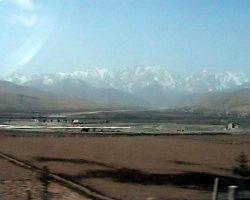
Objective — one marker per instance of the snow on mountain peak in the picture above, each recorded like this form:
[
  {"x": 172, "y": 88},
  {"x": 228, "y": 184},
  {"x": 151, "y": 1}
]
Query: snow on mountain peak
[
  {"x": 18, "y": 78},
  {"x": 135, "y": 79},
  {"x": 47, "y": 80},
  {"x": 228, "y": 80},
  {"x": 142, "y": 77}
]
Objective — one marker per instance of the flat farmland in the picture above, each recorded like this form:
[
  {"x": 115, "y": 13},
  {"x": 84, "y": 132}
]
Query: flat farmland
[
  {"x": 138, "y": 167},
  {"x": 15, "y": 181}
]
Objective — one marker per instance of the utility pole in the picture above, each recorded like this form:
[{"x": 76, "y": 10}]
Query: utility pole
[
  {"x": 215, "y": 190},
  {"x": 232, "y": 191},
  {"x": 28, "y": 194}
]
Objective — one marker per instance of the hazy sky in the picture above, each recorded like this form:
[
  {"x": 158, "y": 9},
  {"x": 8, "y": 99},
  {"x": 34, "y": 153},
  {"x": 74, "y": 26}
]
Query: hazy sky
[{"x": 66, "y": 35}]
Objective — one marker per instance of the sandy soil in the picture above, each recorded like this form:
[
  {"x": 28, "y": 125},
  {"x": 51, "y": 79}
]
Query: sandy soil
[
  {"x": 15, "y": 181},
  {"x": 77, "y": 156}
]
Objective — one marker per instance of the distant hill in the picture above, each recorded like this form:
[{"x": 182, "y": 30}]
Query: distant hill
[
  {"x": 145, "y": 87},
  {"x": 109, "y": 97},
  {"x": 234, "y": 100},
  {"x": 21, "y": 98},
  {"x": 151, "y": 86}
]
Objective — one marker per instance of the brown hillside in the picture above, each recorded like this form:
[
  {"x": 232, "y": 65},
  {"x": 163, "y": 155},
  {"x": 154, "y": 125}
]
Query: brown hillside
[
  {"x": 238, "y": 100},
  {"x": 21, "y": 98}
]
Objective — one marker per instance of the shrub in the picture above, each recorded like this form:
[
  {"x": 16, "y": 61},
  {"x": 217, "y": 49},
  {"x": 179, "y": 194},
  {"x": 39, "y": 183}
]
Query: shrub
[
  {"x": 242, "y": 168},
  {"x": 45, "y": 178}
]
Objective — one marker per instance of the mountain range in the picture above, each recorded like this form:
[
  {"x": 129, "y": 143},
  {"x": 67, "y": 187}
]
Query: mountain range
[
  {"x": 138, "y": 78},
  {"x": 15, "y": 98},
  {"x": 139, "y": 86}
]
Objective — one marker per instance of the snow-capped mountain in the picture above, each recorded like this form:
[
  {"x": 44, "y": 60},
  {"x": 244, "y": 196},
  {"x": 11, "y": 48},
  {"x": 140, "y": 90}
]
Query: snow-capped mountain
[
  {"x": 153, "y": 85},
  {"x": 138, "y": 78},
  {"x": 208, "y": 82},
  {"x": 97, "y": 77}
]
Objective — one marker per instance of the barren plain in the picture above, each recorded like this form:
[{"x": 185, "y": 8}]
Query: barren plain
[{"x": 138, "y": 167}]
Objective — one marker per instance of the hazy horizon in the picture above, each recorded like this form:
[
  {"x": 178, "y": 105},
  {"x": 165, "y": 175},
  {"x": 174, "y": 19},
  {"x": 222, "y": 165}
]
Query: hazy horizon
[
  {"x": 116, "y": 71},
  {"x": 180, "y": 36}
]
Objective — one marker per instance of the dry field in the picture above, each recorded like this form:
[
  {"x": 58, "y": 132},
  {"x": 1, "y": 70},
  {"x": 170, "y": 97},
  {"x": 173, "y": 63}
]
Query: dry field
[
  {"x": 163, "y": 167},
  {"x": 15, "y": 181}
]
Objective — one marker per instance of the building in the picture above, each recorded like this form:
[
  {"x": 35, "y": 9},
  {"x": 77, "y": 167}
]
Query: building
[{"x": 232, "y": 125}]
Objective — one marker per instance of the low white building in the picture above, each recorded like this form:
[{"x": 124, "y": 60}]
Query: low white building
[{"x": 232, "y": 125}]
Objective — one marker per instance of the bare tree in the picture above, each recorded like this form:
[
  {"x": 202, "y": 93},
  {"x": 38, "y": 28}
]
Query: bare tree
[{"x": 45, "y": 179}]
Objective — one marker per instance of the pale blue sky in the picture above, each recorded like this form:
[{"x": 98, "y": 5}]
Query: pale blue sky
[{"x": 67, "y": 35}]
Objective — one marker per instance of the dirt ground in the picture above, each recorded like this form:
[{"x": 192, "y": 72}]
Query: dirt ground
[
  {"x": 16, "y": 181},
  {"x": 106, "y": 163}
]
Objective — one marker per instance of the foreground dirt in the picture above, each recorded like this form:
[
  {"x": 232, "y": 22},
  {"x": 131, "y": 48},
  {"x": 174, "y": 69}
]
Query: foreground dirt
[
  {"x": 94, "y": 161},
  {"x": 15, "y": 182}
]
